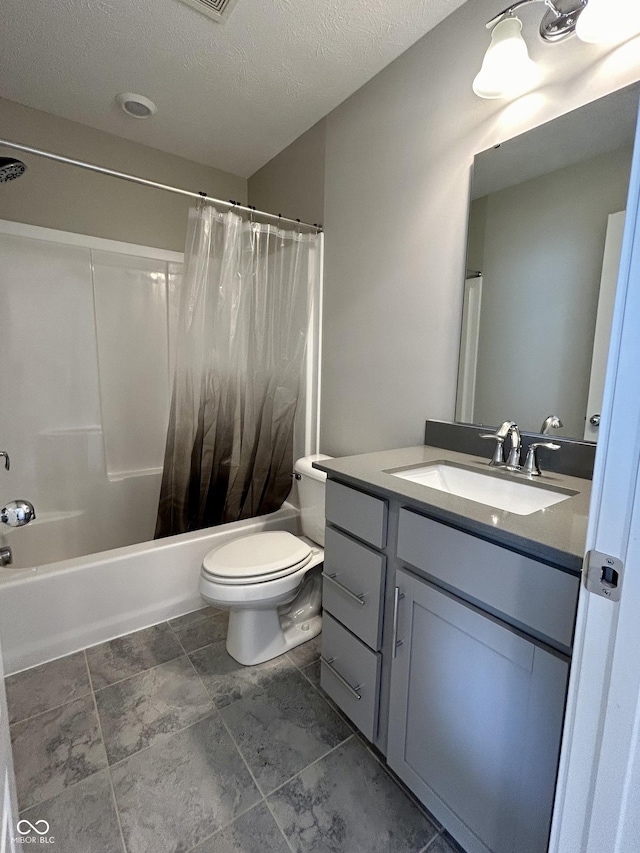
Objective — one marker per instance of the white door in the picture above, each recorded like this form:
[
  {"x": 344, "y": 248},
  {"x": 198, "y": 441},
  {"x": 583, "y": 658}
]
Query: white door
[
  {"x": 7, "y": 780},
  {"x": 465, "y": 398},
  {"x": 598, "y": 795},
  {"x": 606, "y": 299}
]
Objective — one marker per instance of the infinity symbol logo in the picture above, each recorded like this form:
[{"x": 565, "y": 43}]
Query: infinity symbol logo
[{"x": 24, "y": 827}]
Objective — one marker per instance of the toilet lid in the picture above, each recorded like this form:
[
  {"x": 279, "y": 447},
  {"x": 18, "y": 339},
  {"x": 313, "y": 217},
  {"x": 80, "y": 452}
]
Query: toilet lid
[{"x": 259, "y": 557}]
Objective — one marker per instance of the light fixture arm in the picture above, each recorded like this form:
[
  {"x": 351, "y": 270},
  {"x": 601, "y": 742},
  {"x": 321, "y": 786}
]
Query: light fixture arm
[
  {"x": 558, "y": 22},
  {"x": 511, "y": 9}
]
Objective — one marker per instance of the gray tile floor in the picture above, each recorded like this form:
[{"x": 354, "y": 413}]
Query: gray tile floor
[{"x": 159, "y": 742}]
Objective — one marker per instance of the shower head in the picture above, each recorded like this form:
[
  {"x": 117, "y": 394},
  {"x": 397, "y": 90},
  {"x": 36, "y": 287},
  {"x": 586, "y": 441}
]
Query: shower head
[{"x": 10, "y": 168}]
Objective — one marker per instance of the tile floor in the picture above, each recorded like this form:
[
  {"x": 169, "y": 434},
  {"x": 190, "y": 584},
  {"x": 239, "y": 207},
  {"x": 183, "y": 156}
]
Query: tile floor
[{"x": 159, "y": 742}]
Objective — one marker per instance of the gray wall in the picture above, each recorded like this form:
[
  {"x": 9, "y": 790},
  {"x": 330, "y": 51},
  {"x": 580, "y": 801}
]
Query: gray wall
[
  {"x": 293, "y": 182},
  {"x": 398, "y": 159},
  {"x": 544, "y": 242},
  {"x": 71, "y": 199}
]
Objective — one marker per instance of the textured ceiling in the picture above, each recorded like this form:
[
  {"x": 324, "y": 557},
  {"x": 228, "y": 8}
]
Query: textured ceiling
[{"x": 229, "y": 95}]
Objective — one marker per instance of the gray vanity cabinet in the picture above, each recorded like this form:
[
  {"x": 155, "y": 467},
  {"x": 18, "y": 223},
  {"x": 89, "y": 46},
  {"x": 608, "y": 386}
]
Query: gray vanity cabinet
[
  {"x": 475, "y": 720},
  {"x": 451, "y": 654}
]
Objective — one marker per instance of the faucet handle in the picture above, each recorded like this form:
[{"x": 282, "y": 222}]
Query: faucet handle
[
  {"x": 531, "y": 466},
  {"x": 7, "y": 462},
  {"x": 498, "y": 453},
  {"x": 17, "y": 513}
]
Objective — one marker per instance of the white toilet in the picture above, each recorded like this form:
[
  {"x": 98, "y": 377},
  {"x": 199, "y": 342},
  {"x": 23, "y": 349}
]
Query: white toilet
[{"x": 271, "y": 582}]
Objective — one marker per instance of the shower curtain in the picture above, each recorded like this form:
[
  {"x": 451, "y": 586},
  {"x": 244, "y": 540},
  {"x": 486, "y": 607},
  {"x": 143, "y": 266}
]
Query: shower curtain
[{"x": 242, "y": 329}]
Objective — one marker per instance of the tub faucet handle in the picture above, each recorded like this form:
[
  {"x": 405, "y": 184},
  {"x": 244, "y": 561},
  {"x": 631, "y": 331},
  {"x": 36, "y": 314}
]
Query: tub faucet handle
[
  {"x": 17, "y": 513},
  {"x": 7, "y": 461}
]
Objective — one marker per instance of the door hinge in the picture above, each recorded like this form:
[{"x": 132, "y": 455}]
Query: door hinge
[{"x": 603, "y": 574}]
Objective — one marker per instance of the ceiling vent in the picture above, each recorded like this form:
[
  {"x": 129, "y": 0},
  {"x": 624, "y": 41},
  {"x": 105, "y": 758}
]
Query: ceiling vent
[{"x": 218, "y": 10}]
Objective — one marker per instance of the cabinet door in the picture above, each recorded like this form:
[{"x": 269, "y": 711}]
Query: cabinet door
[{"x": 475, "y": 721}]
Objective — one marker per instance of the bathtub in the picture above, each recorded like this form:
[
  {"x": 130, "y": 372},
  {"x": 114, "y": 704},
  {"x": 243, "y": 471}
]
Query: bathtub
[{"x": 59, "y": 608}]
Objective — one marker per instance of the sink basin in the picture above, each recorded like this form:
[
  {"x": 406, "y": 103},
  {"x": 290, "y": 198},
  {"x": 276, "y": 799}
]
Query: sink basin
[{"x": 491, "y": 489}]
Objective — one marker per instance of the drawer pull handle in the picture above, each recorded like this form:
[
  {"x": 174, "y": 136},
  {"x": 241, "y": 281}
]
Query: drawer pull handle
[
  {"x": 343, "y": 681},
  {"x": 397, "y": 595},
  {"x": 358, "y": 598}
]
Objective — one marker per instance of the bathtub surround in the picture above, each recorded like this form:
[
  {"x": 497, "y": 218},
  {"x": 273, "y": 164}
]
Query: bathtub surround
[
  {"x": 245, "y": 306},
  {"x": 87, "y": 425},
  {"x": 275, "y": 766}
]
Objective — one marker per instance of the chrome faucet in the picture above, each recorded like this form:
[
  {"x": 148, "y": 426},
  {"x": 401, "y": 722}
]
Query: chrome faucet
[
  {"x": 511, "y": 430},
  {"x": 506, "y": 428}
]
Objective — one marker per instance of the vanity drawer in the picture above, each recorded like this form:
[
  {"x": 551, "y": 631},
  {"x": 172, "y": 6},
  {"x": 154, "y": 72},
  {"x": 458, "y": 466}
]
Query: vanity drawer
[
  {"x": 350, "y": 675},
  {"x": 353, "y": 578},
  {"x": 530, "y": 594},
  {"x": 357, "y": 513}
]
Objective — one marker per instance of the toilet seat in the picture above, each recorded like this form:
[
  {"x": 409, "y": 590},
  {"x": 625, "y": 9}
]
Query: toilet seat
[{"x": 257, "y": 558}]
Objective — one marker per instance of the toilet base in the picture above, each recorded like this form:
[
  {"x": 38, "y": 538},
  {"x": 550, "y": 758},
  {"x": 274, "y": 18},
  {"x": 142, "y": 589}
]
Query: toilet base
[{"x": 256, "y": 635}]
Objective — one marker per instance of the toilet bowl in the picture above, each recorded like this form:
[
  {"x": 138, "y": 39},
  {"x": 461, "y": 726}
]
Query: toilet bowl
[{"x": 271, "y": 581}]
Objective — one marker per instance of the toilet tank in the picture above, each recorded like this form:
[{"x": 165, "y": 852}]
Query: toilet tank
[{"x": 311, "y": 483}]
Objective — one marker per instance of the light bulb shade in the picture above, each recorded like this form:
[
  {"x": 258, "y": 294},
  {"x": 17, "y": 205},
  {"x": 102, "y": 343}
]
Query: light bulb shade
[
  {"x": 609, "y": 21},
  {"x": 506, "y": 70}
]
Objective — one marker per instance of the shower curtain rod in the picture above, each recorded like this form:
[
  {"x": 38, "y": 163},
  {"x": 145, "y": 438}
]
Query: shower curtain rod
[{"x": 144, "y": 182}]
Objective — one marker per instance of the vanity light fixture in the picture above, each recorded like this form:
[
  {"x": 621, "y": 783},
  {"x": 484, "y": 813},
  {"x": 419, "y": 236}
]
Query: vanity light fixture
[
  {"x": 606, "y": 23},
  {"x": 507, "y": 70}
]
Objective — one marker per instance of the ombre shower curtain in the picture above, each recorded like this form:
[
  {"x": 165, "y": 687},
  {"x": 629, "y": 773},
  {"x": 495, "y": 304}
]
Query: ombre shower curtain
[{"x": 242, "y": 330}]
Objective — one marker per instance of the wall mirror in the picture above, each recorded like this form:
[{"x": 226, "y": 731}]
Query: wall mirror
[{"x": 544, "y": 237}]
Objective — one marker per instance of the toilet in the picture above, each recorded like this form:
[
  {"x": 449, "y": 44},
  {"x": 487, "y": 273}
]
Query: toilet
[{"x": 271, "y": 582}]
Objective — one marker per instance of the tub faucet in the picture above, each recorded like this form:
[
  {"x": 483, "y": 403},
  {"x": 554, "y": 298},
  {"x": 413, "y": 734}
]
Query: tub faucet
[{"x": 549, "y": 423}]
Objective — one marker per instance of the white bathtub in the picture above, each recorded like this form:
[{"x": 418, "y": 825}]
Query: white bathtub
[{"x": 55, "y": 609}]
